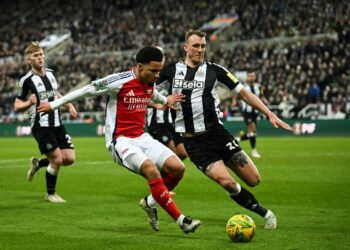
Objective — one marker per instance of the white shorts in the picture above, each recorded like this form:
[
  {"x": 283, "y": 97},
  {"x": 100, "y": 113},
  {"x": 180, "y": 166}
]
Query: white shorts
[{"x": 132, "y": 152}]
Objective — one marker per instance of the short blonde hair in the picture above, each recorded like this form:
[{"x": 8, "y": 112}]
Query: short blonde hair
[
  {"x": 34, "y": 46},
  {"x": 194, "y": 32}
]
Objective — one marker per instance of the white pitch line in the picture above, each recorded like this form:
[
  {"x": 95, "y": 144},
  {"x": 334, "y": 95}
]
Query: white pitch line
[
  {"x": 9, "y": 164},
  {"x": 13, "y": 160}
]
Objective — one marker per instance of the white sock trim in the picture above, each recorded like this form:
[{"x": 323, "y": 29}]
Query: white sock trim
[
  {"x": 51, "y": 170},
  {"x": 267, "y": 214},
  {"x": 180, "y": 219},
  {"x": 151, "y": 202},
  {"x": 237, "y": 191}
]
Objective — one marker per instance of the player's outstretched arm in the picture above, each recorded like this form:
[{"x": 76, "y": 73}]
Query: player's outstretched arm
[
  {"x": 255, "y": 102},
  {"x": 70, "y": 107},
  {"x": 277, "y": 122}
]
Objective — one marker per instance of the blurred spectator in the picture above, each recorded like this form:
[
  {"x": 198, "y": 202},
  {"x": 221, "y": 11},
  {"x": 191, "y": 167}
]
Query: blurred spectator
[{"x": 298, "y": 73}]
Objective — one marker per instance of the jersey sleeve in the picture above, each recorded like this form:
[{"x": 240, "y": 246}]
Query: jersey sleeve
[
  {"x": 23, "y": 90},
  {"x": 226, "y": 78},
  {"x": 165, "y": 78},
  {"x": 109, "y": 84},
  {"x": 158, "y": 97}
]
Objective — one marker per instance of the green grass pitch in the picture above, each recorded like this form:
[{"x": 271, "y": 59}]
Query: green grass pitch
[{"x": 305, "y": 181}]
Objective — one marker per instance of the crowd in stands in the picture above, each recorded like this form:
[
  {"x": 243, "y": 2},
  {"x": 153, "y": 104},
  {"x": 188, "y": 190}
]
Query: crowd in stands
[
  {"x": 297, "y": 73},
  {"x": 291, "y": 73}
]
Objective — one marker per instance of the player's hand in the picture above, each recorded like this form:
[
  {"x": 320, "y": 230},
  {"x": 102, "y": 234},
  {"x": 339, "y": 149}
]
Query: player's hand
[
  {"x": 159, "y": 106},
  {"x": 45, "y": 107},
  {"x": 234, "y": 103},
  {"x": 277, "y": 122},
  {"x": 73, "y": 112},
  {"x": 172, "y": 99},
  {"x": 32, "y": 99}
]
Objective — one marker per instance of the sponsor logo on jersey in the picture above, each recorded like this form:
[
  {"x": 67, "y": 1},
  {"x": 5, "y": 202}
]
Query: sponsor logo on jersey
[
  {"x": 183, "y": 84},
  {"x": 46, "y": 94},
  {"x": 136, "y": 102},
  {"x": 149, "y": 91},
  {"x": 180, "y": 73}
]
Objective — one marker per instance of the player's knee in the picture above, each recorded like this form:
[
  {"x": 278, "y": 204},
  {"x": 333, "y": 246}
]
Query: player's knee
[
  {"x": 254, "y": 181},
  {"x": 149, "y": 170},
  {"x": 68, "y": 157},
  {"x": 179, "y": 169},
  {"x": 182, "y": 155},
  {"x": 57, "y": 161},
  {"x": 230, "y": 185},
  {"x": 68, "y": 160}
]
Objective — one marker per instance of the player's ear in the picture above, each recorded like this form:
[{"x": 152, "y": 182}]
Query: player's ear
[
  {"x": 185, "y": 46},
  {"x": 139, "y": 66},
  {"x": 28, "y": 60}
]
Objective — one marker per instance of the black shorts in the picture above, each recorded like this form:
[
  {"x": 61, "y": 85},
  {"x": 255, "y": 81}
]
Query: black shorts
[
  {"x": 217, "y": 144},
  {"x": 250, "y": 117},
  {"x": 50, "y": 138},
  {"x": 165, "y": 135}
]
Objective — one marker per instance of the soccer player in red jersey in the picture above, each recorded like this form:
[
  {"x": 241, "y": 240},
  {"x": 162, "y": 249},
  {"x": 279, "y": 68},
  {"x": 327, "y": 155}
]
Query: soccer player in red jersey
[{"x": 129, "y": 94}]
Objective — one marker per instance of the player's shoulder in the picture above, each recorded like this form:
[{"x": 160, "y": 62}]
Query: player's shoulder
[
  {"x": 50, "y": 74},
  {"x": 215, "y": 66},
  {"x": 26, "y": 77},
  {"x": 257, "y": 84},
  {"x": 171, "y": 66},
  {"x": 120, "y": 77},
  {"x": 49, "y": 70},
  {"x": 115, "y": 79}
]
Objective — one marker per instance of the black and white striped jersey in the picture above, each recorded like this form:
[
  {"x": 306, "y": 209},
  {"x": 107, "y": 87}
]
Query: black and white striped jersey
[
  {"x": 255, "y": 89},
  {"x": 45, "y": 89},
  {"x": 200, "y": 111},
  {"x": 158, "y": 118}
]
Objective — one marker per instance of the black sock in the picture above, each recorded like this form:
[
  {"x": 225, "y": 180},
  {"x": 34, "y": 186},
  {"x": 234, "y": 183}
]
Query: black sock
[
  {"x": 44, "y": 162},
  {"x": 51, "y": 183},
  {"x": 247, "y": 200},
  {"x": 252, "y": 140},
  {"x": 244, "y": 137}
]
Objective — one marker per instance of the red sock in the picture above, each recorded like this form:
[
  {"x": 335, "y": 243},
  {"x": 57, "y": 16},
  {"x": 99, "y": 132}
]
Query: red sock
[
  {"x": 170, "y": 181},
  {"x": 161, "y": 194}
]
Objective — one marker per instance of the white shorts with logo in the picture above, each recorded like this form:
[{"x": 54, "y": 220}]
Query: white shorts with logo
[{"x": 132, "y": 152}]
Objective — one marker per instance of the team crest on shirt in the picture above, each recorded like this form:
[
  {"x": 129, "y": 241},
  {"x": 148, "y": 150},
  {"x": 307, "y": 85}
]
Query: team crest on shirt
[
  {"x": 149, "y": 91},
  {"x": 49, "y": 146},
  {"x": 200, "y": 72},
  {"x": 52, "y": 79}
]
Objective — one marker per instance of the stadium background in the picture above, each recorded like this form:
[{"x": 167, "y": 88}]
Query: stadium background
[{"x": 300, "y": 51}]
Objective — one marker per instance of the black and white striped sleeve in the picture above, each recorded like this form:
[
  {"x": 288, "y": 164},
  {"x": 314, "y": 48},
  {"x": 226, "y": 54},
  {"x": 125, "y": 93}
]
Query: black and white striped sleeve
[{"x": 227, "y": 78}]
